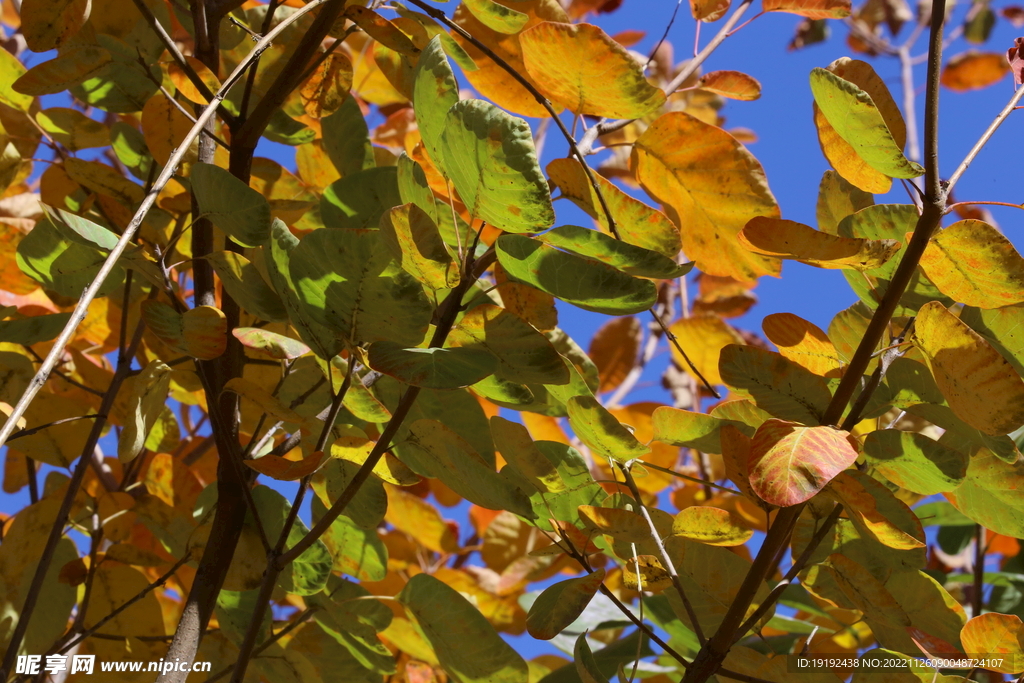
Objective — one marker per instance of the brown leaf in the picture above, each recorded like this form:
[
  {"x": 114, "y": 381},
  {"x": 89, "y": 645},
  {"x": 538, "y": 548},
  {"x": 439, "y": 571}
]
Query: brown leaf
[
  {"x": 614, "y": 348},
  {"x": 1015, "y": 56},
  {"x": 974, "y": 70}
]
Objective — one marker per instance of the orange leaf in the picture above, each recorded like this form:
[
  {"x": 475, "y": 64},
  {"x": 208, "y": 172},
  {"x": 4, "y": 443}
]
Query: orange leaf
[
  {"x": 735, "y": 85},
  {"x": 812, "y": 9},
  {"x": 282, "y": 469},
  {"x": 874, "y": 509},
  {"x": 622, "y": 525},
  {"x": 791, "y": 463},
  {"x": 708, "y": 10},
  {"x": 974, "y": 70},
  {"x": 184, "y": 84},
  {"x": 803, "y": 342},
  {"x": 614, "y": 350},
  {"x": 791, "y": 240},
  {"x": 327, "y": 87},
  {"x": 703, "y": 337},
  {"x": 990, "y": 635}
]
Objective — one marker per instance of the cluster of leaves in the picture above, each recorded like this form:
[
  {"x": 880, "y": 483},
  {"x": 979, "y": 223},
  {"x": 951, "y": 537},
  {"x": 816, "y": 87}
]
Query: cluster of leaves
[{"x": 380, "y": 326}]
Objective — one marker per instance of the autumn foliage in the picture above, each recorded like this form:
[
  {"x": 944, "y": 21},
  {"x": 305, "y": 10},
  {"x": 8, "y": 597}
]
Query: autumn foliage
[{"x": 243, "y": 395}]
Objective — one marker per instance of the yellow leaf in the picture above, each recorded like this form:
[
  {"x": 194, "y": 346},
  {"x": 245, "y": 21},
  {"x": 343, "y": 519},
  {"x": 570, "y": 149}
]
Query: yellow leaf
[
  {"x": 713, "y": 186},
  {"x": 420, "y": 520},
  {"x": 710, "y": 525},
  {"x": 622, "y": 525},
  {"x": 200, "y": 332},
  {"x": 973, "y": 70},
  {"x": 146, "y": 403},
  {"x": 353, "y": 446},
  {"x": 73, "y": 129},
  {"x": 876, "y": 511},
  {"x": 803, "y": 342},
  {"x": 980, "y": 386},
  {"x": 812, "y": 9},
  {"x": 327, "y": 87},
  {"x": 164, "y": 128},
  {"x": 841, "y": 154},
  {"x": 283, "y": 469},
  {"x": 103, "y": 179},
  {"x": 614, "y": 350},
  {"x": 184, "y": 84},
  {"x": 58, "y": 445},
  {"x": 703, "y": 337},
  {"x": 735, "y": 85},
  {"x": 973, "y": 263},
  {"x": 636, "y": 223},
  {"x": 993, "y": 636},
  {"x": 645, "y": 573},
  {"x": 791, "y": 240},
  {"x": 581, "y": 68}
]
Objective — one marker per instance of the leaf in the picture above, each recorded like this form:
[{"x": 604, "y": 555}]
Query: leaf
[
  {"x": 369, "y": 503},
  {"x": 48, "y": 25},
  {"x": 63, "y": 72},
  {"x": 590, "y": 285},
  {"x": 791, "y": 240},
  {"x": 432, "y": 368},
  {"x": 915, "y": 462},
  {"x": 791, "y": 463},
  {"x": 860, "y": 122},
  {"x": 346, "y": 139},
  {"x": 73, "y": 129},
  {"x": 837, "y": 199},
  {"x": 523, "y": 354},
  {"x": 778, "y": 385},
  {"x": 561, "y": 604},
  {"x": 353, "y": 445},
  {"x": 630, "y": 259},
  {"x": 994, "y": 635},
  {"x": 865, "y": 592},
  {"x": 309, "y": 572},
  {"x": 973, "y": 70},
  {"x": 688, "y": 429},
  {"x": 496, "y": 16},
  {"x": 990, "y": 494},
  {"x": 414, "y": 240},
  {"x": 812, "y": 9},
  {"x": 246, "y": 286},
  {"x": 804, "y": 343},
  {"x": 601, "y": 432},
  {"x": 735, "y": 85},
  {"x": 622, "y": 525},
  {"x": 345, "y": 281},
  {"x": 980, "y": 386},
  {"x": 61, "y": 265},
  {"x": 283, "y": 469},
  {"x": 231, "y": 205},
  {"x": 703, "y": 337},
  {"x": 490, "y": 158},
  {"x": 713, "y": 186},
  {"x": 183, "y": 84},
  {"x": 421, "y": 520},
  {"x": 583, "y": 69},
  {"x": 200, "y": 332},
  {"x": 876, "y": 512},
  {"x": 465, "y": 643},
  {"x": 34, "y": 329},
  {"x": 636, "y": 223},
  {"x": 614, "y": 348},
  {"x": 103, "y": 179},
  {"x": 149, "y": 391},
  {"x": 434, "y": 450},
  {"x": 264, "y": 399},
  {"x": 435, "y": 91},
  {"x": 269, "y": 343},
  {"x": 356, "y": 551},
  {"x": 12, "y": 70},
  {"x": 380, "y": 29},
  {"x": 708, "y": 10},
  {"x": 586, "y": 666},
  {"x": 973, "y": 263},
  {"x": 710, "y": 525},
  {"x": 81, "y": 230},
  {"x": 57, "y": 445},
  {"x": 359, "y": 200}
]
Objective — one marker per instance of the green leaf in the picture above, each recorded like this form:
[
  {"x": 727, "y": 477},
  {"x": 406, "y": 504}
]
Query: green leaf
[
  {"x": 559, "y": 501},
  {"x": 10, "y": 71},
  {"x": 346, "y": 280},
  {"x": 370, "y": 503},
  {"x": 524, "y": 354},
  {"x": 81, "y": 230},
  {"x": 308, "y": 573},
  {"x": 123, "y": 84},
  {"x": 414, "y": 240},
  {"x": 327, "y": 655},
  {"x": 778, "y": 385},
  {"x": 616, "y": 253},
  {"x": 234, "y": 207},
  {"x": 244, "y": 283},
  {"x": 687, "y": 429},
  {"x": 73, "y": 129},
  {"x": 435, "y": 91},
  {"x": 272, "y": 344},
  {"x": 854, "y": 116},
  {"x": 356, "y": 551},
  {"x": 130, "y": 147},
  {"x": 285, "y": 130},
  {"x": 941, "y": 513},
  {"x": 599, "y": 429},
  {"x": 588, "y": 284},
  {"x": 37, "y": 328},
  {"x": 490, "y": 158},
  {"x": 561, "y": 604},
  {"x": 915, "y": 462},
  {"x": 990, "y": 494},
  {"x": 466, "y": 645},
  {"x": 432, "y": 368},
  {"x": 146, "y": 403},
  {"x": 434, "y": 450},
  {"x": 1002, "y": 327},
  {"x": 61, "y": 265},
  {"x": 962, "y": 437},
  {"x": 586, "y": 665},
  {"x": 354, "y": 622},
  {"x": 347, "y": 139},
  {"x": 318, "y": 337},
  {"x": 358, "y": 201},
  {"x": 497, "y": 17}
]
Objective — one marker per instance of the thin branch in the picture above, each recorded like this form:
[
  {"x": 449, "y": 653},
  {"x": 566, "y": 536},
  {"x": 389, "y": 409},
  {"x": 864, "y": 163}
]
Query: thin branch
[
  {"x": 675, "y": 342},
  {"x": 664, "y": 36},
  {"x": 663, "y": 555},
  {"x": 953, "y": 207},
  {"x": 29, "y": 432},
  {"x": 128, "y": 235},
  {"x": 978, "y": 592},
  {"x": 909, "y": 102},
  {"x": 299, "y": 619},
  {"x": 695, "y": 480}
]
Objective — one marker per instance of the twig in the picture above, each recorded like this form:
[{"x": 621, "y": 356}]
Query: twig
[
  {"x": 663, "y": 555},
  {"x": 664, "y": 36},
  {"x": 952, "y": 207},
  {"x": 695, "y": 480},
  {"x": 30, "y": 432},
  {"x": 679, "y": 348},
  {"x": 978, "y": 592},
  {"x": 129, "y": 233}
]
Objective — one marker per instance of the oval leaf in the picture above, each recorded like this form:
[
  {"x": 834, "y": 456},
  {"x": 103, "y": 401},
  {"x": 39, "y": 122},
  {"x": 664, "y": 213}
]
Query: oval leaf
[
  {"x": 599, "y": 429},
  {"x": 561, "y": 604},
  {"x": 432, "y": 368}
]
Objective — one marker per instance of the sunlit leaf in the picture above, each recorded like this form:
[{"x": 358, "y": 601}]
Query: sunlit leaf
[
  {"x": 233, "y": 206},
  {"x": 778, "y": 385},
  {"x": 973, "y": 263},
  {"x": 270, "y": 343},
  {"x": 812, "y": 9},
  {"x": 73, "y": 129},
  {"x": 246, "y": 286},
  {"x": 980, "y": 386},
  {"x": 837, "y": 199},
  {"x": 989, "y": 494},
  {"x": 147, "y": 401},
  {"x": 915, "y": 462},
  {"x": 713, "y": 186},
  {"x": 710, "y": 525},
  {"x": 972, "y": 70},
  {"x": 703, "y": 337},
  {"x": 803, "y": 342},
  {"x": 1000, "y": 637},
  {"x": 791, "y": 463},
  {"x": 791, "y": 240},
  {"x": 735, "y": 85},
  {"x": 414, "y": 240},
  {"x": 622, "y": 525},
  {"x": 12, "y": 70},
  {"x": 282, "y": 469},
  {"x": 582, "y": 68},
  {"x": 599, "y": 429},
  {"x": 614, "y": 349},
  {"x": 876, "y": 511},
  {"x": 629, "y": 259},
  {"x": 691, "y": 430}
]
